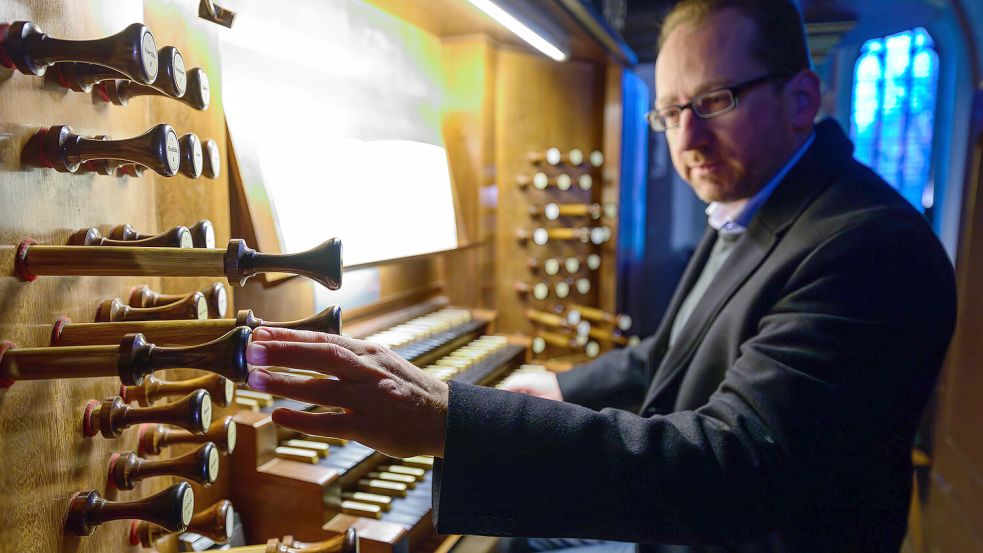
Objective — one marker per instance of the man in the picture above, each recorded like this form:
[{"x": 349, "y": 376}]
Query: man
[{"x": 778, "y": 400}]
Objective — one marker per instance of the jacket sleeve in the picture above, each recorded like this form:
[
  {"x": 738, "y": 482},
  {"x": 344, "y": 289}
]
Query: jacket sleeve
[
  {"x": 829, "y": 388},
  {"x": 616, "y": 379}
]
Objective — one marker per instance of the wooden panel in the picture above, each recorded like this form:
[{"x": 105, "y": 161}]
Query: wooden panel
[
  {"x": 43, "y": 457},
  {"x": 954, "y": 513},
  {"x": 538, "y": 104}
]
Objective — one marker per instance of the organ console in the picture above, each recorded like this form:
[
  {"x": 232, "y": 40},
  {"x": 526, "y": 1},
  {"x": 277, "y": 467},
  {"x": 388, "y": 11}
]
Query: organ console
[
  {"x": 110, "y": 417},
  {"x": 192, "y": 306},
  {"x": 202, "y": 235},
  {"x": 215, "y": 523},
  {"x": 197, "y": 94},
  {"x": 221, "y": 389},
  {"x": 132, "y": 360},
  {"x": 171, "y": 509},
  {"x": 132, "y": 51},
  {"x": 215, "y": 297},
  {"x": 178, "y": 333},
  {"x": 61, "y": 149},
  {"x": 199, "y": 465},
  {"x": 81, "y": 77},
  {"x": 237, "y": 263},
  {"x": 177, "y": 237},
  {"x": 191, "y": 156},
  {"x": 153, "y": 438}
]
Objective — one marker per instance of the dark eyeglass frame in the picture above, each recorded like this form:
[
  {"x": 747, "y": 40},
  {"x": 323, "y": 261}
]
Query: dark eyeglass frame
[{"x": 656, "y": 117}]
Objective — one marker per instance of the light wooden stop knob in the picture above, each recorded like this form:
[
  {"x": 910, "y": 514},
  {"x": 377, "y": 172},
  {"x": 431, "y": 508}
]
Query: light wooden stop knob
[
  {"x": 132, "y": 51},
  {"x": 237, "y": 262},
  {"x": 215, "y": 523},
  {"x": 172, "y": 509},
  {"x": 111, "y": 416},
  {"x": 153, "y": 438}
]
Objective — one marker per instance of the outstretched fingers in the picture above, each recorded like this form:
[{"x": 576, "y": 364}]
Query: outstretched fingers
[
  {"x": 316, "y": 391},
  {"x": 325, "y": 358},
  {"x": 269, "y": 333},
  {"x": 334, "y": 425}
]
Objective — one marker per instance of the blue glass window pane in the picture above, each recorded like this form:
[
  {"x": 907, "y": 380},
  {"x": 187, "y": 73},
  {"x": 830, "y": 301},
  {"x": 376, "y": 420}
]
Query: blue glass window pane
[{"x": 893, "y": 115}]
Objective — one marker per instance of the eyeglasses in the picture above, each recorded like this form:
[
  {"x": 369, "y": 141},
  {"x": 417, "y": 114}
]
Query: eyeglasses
[{"x": 709, "y": 104}]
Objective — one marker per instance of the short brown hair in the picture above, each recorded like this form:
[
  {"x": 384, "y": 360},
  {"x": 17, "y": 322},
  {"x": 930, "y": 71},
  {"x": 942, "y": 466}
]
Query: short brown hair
[{"x": 780, "y": 44}]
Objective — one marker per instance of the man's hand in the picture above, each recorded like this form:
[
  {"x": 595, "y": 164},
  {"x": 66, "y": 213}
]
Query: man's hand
[
  {"x": 389, "y": 404},
  {"x": 539, "y": 384}
]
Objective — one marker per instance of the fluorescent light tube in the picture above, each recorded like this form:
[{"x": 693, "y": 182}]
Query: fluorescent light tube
[{"x": 505, "y": 19}]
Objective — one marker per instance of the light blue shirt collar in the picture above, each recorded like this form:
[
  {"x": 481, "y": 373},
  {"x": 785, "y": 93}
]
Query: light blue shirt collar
[{"x": 738, "y": 222}]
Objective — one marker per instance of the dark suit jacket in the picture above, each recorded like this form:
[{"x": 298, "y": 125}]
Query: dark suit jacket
[{"x": 782, "y": 418}]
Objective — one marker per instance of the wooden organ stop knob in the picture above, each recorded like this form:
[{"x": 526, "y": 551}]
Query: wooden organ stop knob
[
  {"x": 177, "y": 237},
  {"x": 132, "y": 360},
  {"x": 193, "y": 307},
  {"x": 202, "y": 235},
  {"x": 237, "y": 263},
  {"x": 66, "y": 333},
  {"x": 111, "y": 417},
  {"x": 553, "y": 211},
  {"x": 557, "y": 321},
  {"x": 132, "y": 51},
  {"x": 538, "y": 290},
  {"x": 220, "y": 388},
  {"x": 153, "y": 438},
  {"x": 192, "y": 159},
  {"x": 213, "y": 160},
  {"x": 81, "y": 77},
  {"x": 197, "y": 94},
  {"x": 623, "y": 322},
  {"x": 342, "y": 543},
  {"x": 200, "y": 465},
  {"x": 545, "y": 337},
  {"x": 172, "y": 509},
  {"x": 59, "y": 148},
  {"x": 542, "y": 236},
  {"x": 215, "y": 523},
  {"x": 216, "y": 298},
  {"x": 549, "y": 266}
]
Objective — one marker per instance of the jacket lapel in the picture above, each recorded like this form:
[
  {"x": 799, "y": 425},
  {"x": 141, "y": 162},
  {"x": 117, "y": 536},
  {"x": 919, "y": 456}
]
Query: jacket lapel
[{"x": 805, "y": 181}]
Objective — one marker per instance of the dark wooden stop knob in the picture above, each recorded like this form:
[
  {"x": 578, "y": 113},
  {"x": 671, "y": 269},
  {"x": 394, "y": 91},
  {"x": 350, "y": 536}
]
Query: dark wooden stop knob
[
  {"x": 177, "y": 237},
  {"x": 215, "y": 523},
  {"x": 61, "y": 149},
  {"x": 112, "y": 416},
  {"x": 172, "y": 509},
  {"x": 152, "y": 389},
  {"x": 202, "y": 235},
  {"x": 192, "y": 307},
  {"x": 81, "y": 77},
  {"x": 216, "y": 298},
  {"x": 197, "y": 94},
  {"x": 199, "y": 465},
  {"x": 132, "y": 51},
  {"x": 153, "y": 438},
  {"x": 192, "y": 160}
]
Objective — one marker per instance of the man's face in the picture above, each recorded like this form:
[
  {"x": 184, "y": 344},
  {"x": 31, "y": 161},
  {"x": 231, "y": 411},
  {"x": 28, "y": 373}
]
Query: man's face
[{"x": 731, "y": 156}]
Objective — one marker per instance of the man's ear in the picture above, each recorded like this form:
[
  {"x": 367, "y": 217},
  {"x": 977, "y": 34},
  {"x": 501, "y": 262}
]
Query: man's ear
[{"x": 804, "y": 96}]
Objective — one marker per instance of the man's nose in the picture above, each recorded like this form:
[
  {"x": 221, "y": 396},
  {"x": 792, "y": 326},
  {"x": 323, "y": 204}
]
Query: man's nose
[{"x": 692, "y": 132}]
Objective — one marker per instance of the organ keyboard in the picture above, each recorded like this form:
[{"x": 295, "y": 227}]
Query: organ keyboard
[{"x": 315, "y": 487}]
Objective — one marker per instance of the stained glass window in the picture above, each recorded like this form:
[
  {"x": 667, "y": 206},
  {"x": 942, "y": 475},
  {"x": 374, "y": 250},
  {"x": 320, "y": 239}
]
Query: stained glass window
[{"x": 894, "y": 89}]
